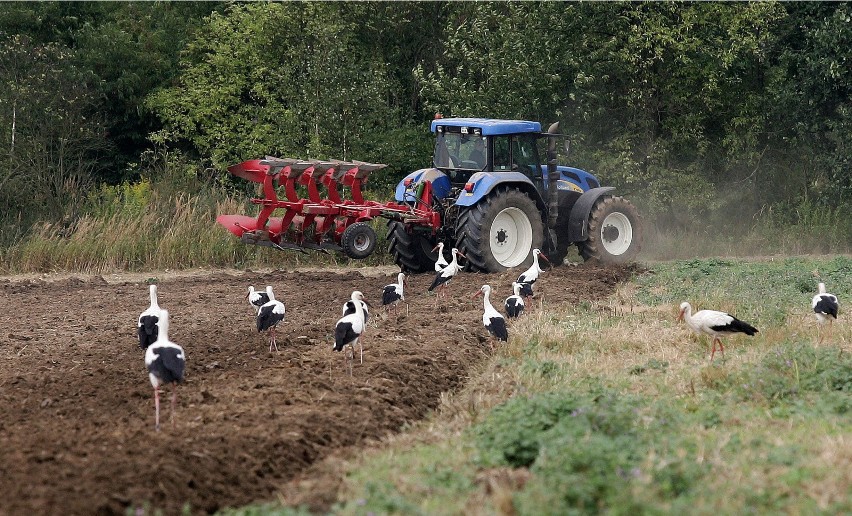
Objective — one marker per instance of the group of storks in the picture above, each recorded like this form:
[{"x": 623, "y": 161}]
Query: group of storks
[{"x": 166, "y": 360}]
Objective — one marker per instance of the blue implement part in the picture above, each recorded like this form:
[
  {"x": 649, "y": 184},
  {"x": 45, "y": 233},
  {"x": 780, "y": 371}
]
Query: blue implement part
[{"x": 440, "y": 185}]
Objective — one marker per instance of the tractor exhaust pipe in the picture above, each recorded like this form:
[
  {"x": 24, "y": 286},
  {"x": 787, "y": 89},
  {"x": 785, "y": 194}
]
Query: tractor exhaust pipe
[{"x": 552, "y": 179}]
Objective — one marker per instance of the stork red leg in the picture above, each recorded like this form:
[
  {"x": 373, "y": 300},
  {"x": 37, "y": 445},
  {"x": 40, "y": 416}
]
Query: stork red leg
[
  {"x": 174, "y": 404},
  {"x": 157, "y": 408}
]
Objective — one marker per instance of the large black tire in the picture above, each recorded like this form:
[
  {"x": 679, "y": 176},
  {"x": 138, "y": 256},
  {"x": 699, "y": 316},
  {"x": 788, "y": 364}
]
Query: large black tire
[
  {"x": 567, "y": 200},
  {"x": 500, "y": 231},
  {"x": 615, "y": 232},
  {"x": 411, "y": 251}
]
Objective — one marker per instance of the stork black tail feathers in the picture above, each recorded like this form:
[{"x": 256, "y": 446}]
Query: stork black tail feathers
[
  {"x": 340, "y": 333},
  {"x": 744, "y": 327},
  {"x": 436, "y": 282},
  {"x": 148, "y": 331}
]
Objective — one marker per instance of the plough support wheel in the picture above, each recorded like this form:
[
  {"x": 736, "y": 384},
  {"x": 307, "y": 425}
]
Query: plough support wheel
[{"x": 358, "y": 240}]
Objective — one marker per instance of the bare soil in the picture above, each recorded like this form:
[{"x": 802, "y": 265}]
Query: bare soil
[{"x": 76, "y": 407}]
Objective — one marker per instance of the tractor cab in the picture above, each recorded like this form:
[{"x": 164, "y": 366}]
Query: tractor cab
[{"x": 465, "y": 146}]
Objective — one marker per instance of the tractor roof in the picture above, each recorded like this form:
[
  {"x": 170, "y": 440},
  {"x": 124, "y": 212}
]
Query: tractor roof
[{"x": 489, "y": 126}]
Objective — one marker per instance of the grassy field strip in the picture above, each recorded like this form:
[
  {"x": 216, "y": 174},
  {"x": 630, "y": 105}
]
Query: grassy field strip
[{"x": 615, "y": 407}]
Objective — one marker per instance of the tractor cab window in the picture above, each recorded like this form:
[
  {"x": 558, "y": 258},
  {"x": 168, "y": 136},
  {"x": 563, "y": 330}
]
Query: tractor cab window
[
  {"x": 502, "y": 153},
  {"x": 460, "y": 155},
  {"x": 455, "y": 150},
  {"x": 525, "y": 157}
]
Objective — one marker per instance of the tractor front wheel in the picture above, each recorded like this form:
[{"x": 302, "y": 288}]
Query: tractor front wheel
[
  {"x": 500, "y": 231},
  {"x": 615, "y": 231},
  {"x": 411, "y": 251}
]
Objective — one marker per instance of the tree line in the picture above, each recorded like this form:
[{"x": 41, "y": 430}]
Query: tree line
[{"x": 695, "y": 109}]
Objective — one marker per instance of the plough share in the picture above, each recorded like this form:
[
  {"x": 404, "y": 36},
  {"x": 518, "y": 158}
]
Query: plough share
[{"x": 331, "y": 223}]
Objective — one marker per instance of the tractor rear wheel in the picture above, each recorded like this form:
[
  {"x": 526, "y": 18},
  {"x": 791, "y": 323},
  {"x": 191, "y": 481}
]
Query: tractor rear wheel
[
  {"x": 615, "y": 232},
  {"x": 412, "y": 252},
  {"x": 500, "y": 231}
]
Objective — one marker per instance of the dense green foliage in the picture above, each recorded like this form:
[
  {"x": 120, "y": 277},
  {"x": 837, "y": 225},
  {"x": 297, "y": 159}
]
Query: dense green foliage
[{"x": 704, "y": 111}]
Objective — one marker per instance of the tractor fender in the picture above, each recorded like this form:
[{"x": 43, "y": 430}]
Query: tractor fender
[
  {"x": 578, "y": 222},
  {"x": 440, "y": 184},
  {"x": 484, "y": 182}
]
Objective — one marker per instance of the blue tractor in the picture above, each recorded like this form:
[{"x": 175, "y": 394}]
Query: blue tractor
[{"x": 491, "y": 194}]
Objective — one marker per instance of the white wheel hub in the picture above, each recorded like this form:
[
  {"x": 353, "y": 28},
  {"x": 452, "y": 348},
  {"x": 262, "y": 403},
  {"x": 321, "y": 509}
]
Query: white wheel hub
[
  {"x": 511, "y": 237},
  {"x": 616, "y": 233}
]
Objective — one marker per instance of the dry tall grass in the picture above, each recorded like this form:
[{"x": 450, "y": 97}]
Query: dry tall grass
[{"x": 177, "y": 232}]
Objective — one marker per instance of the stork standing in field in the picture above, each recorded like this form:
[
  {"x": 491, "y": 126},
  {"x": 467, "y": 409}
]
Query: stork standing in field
[
  {"x": 268, "y": 317},
  {"x": 394, "y": 293},
  {"x": 515, "y": 303},
  {"x": 442, "y": 278},
  {"x": 348, "y": 329},
  {"x": 148, "y": 323},
  {"x": 825, "y": 308},
  {"x": 528, "y": 277},
  {"x": 349, "y": 309},
  {"x": 257, "y": 299},
  {"x": 491, "y": 318},
  {"x": 166, "y": 363},
  {"x": 715, "y": 324},
  {"x": 441, "y": 262}
]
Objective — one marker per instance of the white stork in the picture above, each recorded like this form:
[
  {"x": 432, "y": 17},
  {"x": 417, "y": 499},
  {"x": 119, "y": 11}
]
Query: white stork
[
  {"x": 166, "y": 363},
  {"x": 441, "y": 262},
  {"x": 715, "y": 324},
  {"x": 257, "y": 299},
  {"x": 491, "y": 318},
  {"x": 531, "y": 275},
  {"x": 348, "y": 329},
  {"x": 268, "y": 317},
  {"x": 147, "y": 325},
  {"x": 825, "y": 308},
  {"x": 442, "y": 278},
  {"x": 394, "y": 293},
  {"x": 349, "y": 309},
  {"x": 515, "y": 303}
]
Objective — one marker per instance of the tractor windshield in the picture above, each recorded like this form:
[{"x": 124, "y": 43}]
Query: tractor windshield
[{"x": 460, "y": 151}]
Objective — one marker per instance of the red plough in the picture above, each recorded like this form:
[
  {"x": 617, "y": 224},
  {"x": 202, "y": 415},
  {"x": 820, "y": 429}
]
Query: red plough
[{"x": 323, "y": 224}]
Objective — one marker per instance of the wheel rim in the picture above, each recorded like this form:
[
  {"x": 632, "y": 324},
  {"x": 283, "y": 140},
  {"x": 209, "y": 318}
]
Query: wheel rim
[
  {"x": 511, "y": 237},
  {"x": 361, "y": 242},
  {"x": 616, "y": 233}
]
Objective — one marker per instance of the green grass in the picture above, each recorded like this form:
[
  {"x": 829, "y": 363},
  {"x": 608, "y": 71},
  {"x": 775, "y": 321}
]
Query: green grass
[{"x": 613, "y": 407}]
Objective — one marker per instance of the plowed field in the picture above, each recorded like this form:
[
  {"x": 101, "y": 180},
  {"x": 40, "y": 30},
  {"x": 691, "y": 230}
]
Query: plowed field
[{"x": 76, "y": 407}]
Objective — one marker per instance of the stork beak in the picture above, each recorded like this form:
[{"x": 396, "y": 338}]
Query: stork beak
[
  {"x": 680, "y": 315},
  {"x": 435, "y": 249},
  {"x": 545, "y": 257},
  {"x": 478, "y": 293},
  {"x": 461, "y": 254},
  {"x": 367, "y": 303},
  {"x": 247, "y": 296}
]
